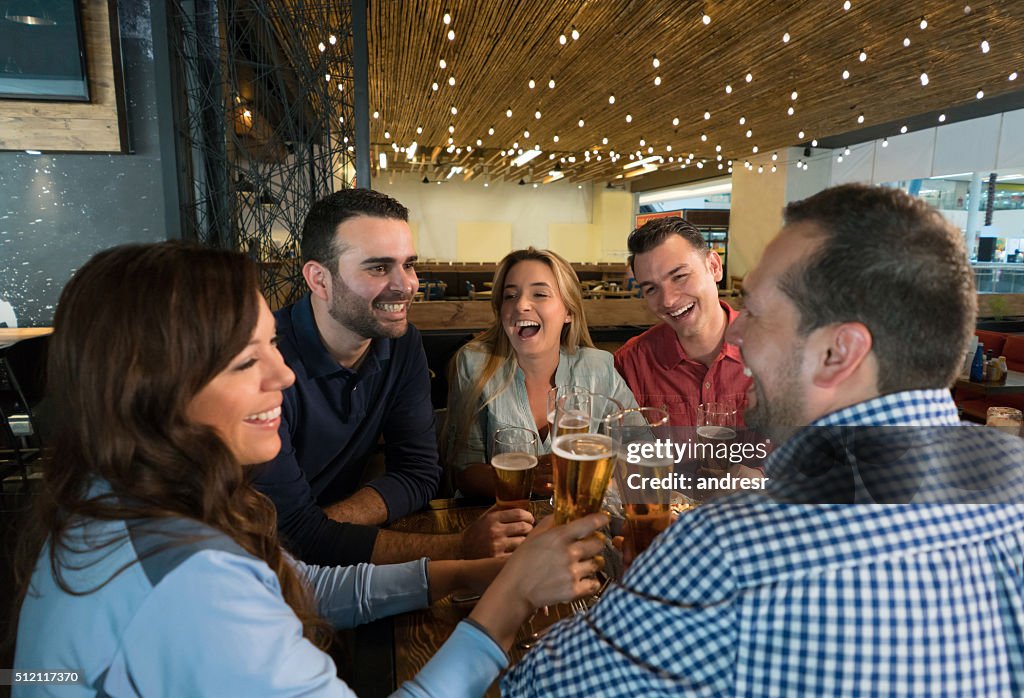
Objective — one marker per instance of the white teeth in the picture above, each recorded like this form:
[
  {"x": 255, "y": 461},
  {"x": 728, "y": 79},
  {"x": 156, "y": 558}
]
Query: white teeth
[
  {"x": 747, "y": 372},
  {"x": 527, "y": 323},
  {"x": 391, "y": 307},
  {"x": 265, "y": 416},
  {"x": 681, "y": 310}
]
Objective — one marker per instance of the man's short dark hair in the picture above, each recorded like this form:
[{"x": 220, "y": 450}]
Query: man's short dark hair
[
  {"x": 324, "y": 217},
  {"x": 653, "y": 233},
  {"x": 893, "y": 263}
]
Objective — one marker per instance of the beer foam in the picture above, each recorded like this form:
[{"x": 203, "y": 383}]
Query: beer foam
[
  {"x": 717, "y": 433},
  {"x": 599, "y": 447},
  {"x": 514, "y": 461}
]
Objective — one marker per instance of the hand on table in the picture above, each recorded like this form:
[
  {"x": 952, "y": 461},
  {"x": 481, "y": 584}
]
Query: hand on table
[{"x": 497, "y": 533}]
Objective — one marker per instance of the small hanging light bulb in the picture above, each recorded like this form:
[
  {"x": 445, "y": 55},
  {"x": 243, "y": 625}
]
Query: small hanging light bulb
[
  {"x": 531, "y": 83},
  {"x": 675, "y": 121},
  {"x": 984, "y": 47},
  {"x": 924, "y": 79},
  {"x": 903, "y": 129},
  {"x": 508, "y": 112},
  {"x": 321, "y": 47},
  {"x": 451, "y": 80},
  {"x": 942, "y": 118},
  {"x": 629, "y": 118},
  {"x": 704, "y": 137},
  {"x": 980, "y": 94},
  {"x": 906, "y": 41},
  {"x": 434, "y": 87},
  {"x": 536, "y": 114},
  {"x": 785, "y": 38},
  {"x": 706, "y": 18},
  {"x": 728, "y": 89},
  {"x": 551, "y": 84},
  {"x": 790, "y": 111},
  {"x": 863, "y": 55},
  {"x": 490, "y": 131},
  {"x": 885, "y": 142},
  {"x": 575, "y": 34},
  {"x": 860, "y": 118},
  {"x": 580, "y": 123},
  {"x": 847, "y": 5},
  {"x": 707, "y": 115},
  {"x": 846, "y": 75},
  {"x": 611, "y": 99},
  {"x": 447, "y": 19},
  {"x": 451, "y": 35},
  {"x": 748, "y": 77},
  {"x": 924, "y": 23},
  {"x": 332, "y": 39},
  {"x": 657, "y": 80},
  {"x": 561, "y": 39}
]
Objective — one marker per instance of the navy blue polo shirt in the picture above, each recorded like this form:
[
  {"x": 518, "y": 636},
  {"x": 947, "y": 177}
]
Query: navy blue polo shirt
[{"x": 331, "y": 420}]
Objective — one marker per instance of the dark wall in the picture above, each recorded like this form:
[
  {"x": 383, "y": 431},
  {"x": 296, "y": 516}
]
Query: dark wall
[{"x": 57, "y": 210}]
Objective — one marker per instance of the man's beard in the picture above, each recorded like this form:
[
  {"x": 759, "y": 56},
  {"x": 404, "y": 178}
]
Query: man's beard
[
  {"x": 779, "y": 417},
  {"x": 350, "y": 311}
]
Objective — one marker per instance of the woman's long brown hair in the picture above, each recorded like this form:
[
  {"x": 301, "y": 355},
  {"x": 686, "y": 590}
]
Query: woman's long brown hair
[
  {"x": 495, "y": 344},
  {"x": 139, "y": 330}
]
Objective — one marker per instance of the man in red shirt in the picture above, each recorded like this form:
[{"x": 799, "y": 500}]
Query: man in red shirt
[{"x": 684, "y": 360}]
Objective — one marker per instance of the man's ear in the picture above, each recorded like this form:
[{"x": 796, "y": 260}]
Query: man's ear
[
  {"x": 842, "y": 350},
  {"x": 318, "y": 279},
  {"x": 714, "y": 263}
]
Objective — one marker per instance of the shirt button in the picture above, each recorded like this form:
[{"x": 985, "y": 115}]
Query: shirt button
[{"x": 707, "y": 385}]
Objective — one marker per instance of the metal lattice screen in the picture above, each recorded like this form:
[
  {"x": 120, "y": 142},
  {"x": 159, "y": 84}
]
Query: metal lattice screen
[{"x": 264, "y": 104}]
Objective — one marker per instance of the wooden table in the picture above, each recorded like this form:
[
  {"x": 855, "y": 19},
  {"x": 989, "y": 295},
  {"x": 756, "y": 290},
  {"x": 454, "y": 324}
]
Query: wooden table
[
  {"x": 13, "y": 335},
  {"x": 417, "y": 635},
  {"x": 1014, "y": 384}
]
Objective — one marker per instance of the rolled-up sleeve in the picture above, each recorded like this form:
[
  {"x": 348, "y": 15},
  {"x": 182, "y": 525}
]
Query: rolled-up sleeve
[{"x": 305, "y": 529}]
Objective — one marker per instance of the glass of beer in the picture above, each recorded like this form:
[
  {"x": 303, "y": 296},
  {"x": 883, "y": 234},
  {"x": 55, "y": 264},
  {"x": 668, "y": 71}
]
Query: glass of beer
[
  {"x": 583, "y": 459},
  {"x": 643, "y": 475},
  {"x": 514, "y": 459},
  {"x": 560, "y": 391}
]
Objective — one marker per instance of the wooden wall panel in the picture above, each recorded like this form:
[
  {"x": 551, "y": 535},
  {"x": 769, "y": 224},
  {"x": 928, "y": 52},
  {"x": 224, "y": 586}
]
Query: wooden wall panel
[{"x": 97, "y": 126}]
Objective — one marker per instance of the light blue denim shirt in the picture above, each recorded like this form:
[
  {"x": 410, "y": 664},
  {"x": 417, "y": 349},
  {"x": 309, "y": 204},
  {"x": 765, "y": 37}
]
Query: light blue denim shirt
[{"x": 505, "y": 401}]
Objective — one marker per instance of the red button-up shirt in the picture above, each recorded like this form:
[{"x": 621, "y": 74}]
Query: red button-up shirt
[{"x": 660, "y": 374}]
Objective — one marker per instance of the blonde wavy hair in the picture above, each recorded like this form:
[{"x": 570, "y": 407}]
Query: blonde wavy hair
[{"x": 495, "y": 343}]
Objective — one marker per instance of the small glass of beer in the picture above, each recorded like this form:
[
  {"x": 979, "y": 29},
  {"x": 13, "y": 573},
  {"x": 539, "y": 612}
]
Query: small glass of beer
[
  {"x": 514, "y": 459},
  {"x": 639, "y": 463},
  {"x": 583, "y": 458}
]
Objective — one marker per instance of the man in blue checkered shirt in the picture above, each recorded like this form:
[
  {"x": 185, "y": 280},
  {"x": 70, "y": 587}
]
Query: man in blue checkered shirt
[{"x": 855, "y": 322}]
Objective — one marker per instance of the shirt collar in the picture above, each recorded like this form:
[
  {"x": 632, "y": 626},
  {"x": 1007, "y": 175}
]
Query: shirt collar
[
  {"x": 315, "y": 357},
  {"x": 924, "y": 408},
  {"x": 671, "y": 352}
]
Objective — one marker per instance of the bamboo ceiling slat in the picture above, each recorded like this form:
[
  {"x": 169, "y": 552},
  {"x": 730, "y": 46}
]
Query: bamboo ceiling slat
[{"x": 500, "y": 44}]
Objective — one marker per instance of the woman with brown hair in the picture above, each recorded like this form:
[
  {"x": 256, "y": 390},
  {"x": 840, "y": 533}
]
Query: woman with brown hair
[
  {"x": 539, "y": 339},
  {"x": 154, "y": 568}
]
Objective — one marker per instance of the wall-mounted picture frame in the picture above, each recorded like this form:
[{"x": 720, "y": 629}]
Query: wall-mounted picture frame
[
  {"x": 98, "y": 125},
  {"x": 44, "y": 51}
]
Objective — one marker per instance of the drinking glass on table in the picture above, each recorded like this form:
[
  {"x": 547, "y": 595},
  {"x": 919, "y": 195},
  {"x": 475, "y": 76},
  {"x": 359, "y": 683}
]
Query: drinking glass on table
[
  {"x": 583, "y": 457},
  {"x": 646, "y": 507},
  {"x": 716, "y": 426},
  {"x": 514, "y": 459}
]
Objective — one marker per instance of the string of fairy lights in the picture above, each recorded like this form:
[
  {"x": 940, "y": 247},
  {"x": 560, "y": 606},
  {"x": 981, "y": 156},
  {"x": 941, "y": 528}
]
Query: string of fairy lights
[{"x": 641, "y": 157}]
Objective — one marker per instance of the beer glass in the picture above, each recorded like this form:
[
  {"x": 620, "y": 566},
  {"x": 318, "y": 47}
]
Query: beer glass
[
  {"x": 554, "y": 394},
  {"x": 716, "y": 430},
  {"x": 636, "y": 435},
  {"x": 514, "y": 459},
  {"x": 583, "y": 458}
]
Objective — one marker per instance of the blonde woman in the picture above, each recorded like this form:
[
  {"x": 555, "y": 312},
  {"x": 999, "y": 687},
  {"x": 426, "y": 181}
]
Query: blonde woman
[{"x": 539, "y": 339}]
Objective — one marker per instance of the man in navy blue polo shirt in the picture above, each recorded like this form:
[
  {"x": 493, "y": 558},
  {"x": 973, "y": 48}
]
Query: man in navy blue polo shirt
[{"x": 361, "y": 373}]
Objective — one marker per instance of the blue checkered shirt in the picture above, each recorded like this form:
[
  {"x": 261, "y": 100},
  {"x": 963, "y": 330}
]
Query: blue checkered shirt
[{"x": 748, "y": 596}]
